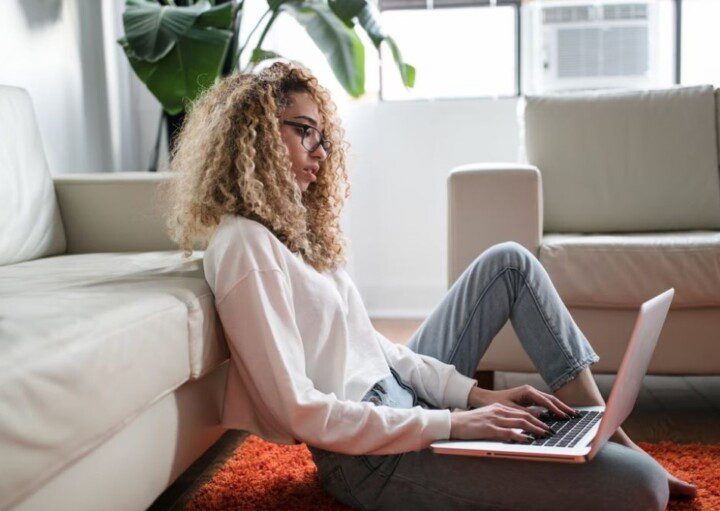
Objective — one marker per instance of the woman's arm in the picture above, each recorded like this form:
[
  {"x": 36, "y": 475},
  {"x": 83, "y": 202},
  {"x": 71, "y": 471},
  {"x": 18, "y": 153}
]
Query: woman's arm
[
  {"x": 436, "y": 382},
  {"x": 258, "y": 317}
]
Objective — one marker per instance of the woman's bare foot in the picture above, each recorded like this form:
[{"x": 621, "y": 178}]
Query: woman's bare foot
[{"x": 679, "y": 489}]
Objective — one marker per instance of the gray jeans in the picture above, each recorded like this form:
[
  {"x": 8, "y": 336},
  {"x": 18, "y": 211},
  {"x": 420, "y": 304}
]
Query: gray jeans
[{"x": 504, "y": 282}]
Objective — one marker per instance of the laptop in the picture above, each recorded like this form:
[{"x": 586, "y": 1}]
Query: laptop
[{"x": 578, "y": 440}]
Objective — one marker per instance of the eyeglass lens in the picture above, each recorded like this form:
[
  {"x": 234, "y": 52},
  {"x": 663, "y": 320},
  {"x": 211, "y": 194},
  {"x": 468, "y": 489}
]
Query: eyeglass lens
[{"x": 311, "y": 139}]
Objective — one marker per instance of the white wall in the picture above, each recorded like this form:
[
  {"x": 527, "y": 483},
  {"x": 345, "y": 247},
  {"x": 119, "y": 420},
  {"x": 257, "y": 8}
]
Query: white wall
[
  {"x": 47, "y": 48},
  {"x": 93, "y": 114},
  {"x": 401, "y": 155}
]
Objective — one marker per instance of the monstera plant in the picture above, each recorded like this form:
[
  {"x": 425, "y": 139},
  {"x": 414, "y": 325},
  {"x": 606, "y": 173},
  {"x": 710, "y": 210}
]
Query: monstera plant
[{"x": 178, "y": 48}]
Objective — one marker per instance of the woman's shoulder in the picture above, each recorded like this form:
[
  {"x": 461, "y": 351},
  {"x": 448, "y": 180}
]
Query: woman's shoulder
[
  {"x": 235, "y": 231},
  {"x": 239, "y": 223},
  {"x": 243, "y": 245}
]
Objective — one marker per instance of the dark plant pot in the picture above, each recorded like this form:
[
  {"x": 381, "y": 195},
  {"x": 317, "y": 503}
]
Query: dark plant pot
[{"x": 173, "y": 124}]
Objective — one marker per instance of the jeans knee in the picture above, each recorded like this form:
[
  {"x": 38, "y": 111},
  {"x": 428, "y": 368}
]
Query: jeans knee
[{"x": 507, "y": 252}]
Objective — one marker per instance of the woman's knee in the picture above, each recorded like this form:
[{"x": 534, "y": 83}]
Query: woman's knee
[{"x": 509, "y": 253}]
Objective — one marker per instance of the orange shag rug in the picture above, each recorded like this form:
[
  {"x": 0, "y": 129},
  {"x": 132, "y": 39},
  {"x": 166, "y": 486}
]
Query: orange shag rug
[{"x": 265, "y": 476}]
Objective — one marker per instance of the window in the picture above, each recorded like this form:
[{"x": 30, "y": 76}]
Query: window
[
  {"x": 476, "y": 48},
  {"x": 700, "y": 20},
  {"x": 459, "y": 52}
]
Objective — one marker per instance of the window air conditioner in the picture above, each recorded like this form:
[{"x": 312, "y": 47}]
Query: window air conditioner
[{"x": 583, "y": 45}]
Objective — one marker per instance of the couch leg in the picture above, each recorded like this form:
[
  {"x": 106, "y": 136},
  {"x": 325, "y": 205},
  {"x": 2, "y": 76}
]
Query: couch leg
[{"x": 486, "y": 379}]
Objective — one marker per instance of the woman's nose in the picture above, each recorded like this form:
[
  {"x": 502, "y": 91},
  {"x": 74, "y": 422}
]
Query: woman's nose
[{"x": 319, "y": 153}]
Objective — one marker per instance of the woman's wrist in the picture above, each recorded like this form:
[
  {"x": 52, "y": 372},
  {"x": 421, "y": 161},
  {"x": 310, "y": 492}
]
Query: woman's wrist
[{"x": 479, "y": 397}]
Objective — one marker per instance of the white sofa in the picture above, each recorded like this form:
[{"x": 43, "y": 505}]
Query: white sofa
[
  {"x": 618, "y": 195},
  {"x": 112, "y": 358}
]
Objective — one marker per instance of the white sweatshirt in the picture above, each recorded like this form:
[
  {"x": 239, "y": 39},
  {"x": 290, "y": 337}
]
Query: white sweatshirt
[{"x": 304, "y": 353}]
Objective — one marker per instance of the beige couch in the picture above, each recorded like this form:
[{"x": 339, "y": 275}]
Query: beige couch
[
  {"x": 112, "y": 358},
  {"x": 618, "y": 195}
]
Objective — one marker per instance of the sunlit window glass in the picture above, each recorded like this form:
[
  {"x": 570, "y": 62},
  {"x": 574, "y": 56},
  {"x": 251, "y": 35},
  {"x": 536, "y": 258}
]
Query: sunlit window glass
[
  {"x": 700, "y": 63},
  {"x": 458, "y": 52}
]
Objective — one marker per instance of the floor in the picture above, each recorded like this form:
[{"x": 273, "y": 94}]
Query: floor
[{"x": 678, "y": 408}]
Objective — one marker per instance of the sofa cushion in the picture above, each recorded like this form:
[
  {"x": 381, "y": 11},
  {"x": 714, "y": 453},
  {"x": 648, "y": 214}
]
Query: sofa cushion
[
  {"x": 624, "y": 270},
  {"x": 30, "y": 223},
  {"x": 88, "y": 342},
  {"x": 625, "y": 161},
  {"x": 717, "y": 120}
]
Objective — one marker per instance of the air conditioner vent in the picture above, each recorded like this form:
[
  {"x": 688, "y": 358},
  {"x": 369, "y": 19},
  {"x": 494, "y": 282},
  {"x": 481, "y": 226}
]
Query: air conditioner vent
[
  {"x": 625, "y": 12},
  {"x": 592, "y": 44},
  {"x": 568, "y": 14},
  {"x": 614, "y": 51}
]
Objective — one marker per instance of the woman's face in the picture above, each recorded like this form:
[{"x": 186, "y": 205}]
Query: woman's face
[{"x": 305, "y": 164}]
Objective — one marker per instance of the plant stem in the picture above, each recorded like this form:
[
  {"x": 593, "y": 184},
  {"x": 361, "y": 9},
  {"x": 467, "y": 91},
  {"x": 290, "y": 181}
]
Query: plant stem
[
  {"x": 251, "y": 65},
  {"x": 267, "y": 28},
  {"x": 237, "y": 55}
]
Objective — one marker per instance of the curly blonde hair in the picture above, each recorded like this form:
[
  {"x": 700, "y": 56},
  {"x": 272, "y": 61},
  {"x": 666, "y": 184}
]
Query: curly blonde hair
[{"x": 229, "y": 158}]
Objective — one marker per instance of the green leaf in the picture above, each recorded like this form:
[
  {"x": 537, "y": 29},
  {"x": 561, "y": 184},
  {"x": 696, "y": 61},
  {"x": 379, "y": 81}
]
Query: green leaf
[
  {"x": 347, "y": 10},
  {"x": 151, "y": 30},
  {"x": 192, "y": 65},
  {"x": 259, "y": 55},
  {"x": 407, "y": 72},
  {"x": 339, "y": 43},
  {"x": 369, "y": 19},
  {"x": 275, "y": 4},
  {"x": 216, "y": 17}
]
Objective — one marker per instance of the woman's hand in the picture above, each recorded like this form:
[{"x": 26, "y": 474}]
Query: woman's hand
[
  {"x": 495, "y": 422},
  {"x": 519, "y": 398}
]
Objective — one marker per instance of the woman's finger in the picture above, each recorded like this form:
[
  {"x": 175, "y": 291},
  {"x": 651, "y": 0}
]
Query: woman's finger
[
  {"x": 561, "y": 405},
  {"x": 510, "y": 434},
  {"x": 535, "y": 411},
  {"x": 525, "y": 425},
  {"x": 520, "y": 412},
  {"x": 554, "y": 405}
]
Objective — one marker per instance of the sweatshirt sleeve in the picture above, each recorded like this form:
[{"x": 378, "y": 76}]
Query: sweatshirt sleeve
[
  {"x": 435, "y": 381},
  {"x": 258, "y": 318}
]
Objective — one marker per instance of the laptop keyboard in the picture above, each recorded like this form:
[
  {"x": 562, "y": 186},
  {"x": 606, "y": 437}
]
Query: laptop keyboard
[{"x": 568, "y": 432}]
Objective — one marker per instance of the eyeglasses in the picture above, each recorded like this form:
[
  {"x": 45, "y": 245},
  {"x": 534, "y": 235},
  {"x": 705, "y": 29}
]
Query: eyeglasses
[{"x": 311, "y": 137}]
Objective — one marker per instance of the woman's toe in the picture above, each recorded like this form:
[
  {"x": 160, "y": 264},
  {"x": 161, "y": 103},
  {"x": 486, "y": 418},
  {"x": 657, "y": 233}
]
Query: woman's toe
[{"x": 680, "y": 488}]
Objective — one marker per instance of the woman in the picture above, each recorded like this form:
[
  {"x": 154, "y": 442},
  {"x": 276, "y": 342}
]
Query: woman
[{"x": 261, "y": 180}]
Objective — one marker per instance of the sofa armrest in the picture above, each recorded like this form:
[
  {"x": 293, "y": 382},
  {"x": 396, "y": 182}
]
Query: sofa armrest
[
  {"x": 490, "y": 203},
  {"x": 112, "y": 212}
]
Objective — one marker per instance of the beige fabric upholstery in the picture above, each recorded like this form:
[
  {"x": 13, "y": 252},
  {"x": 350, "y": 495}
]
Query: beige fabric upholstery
[
  {"x": 624, "y": 270},
  {"x": 138, "y": 461},
  {"x": 509, "y": 198},
  {"x": 94, "y": 338},
  {"x": 717, "y": 121},
  {"x": 578, "y": 148},
  {"x": 113, "y": 212},
  {"x": 100, "y": 346},
  {"x": 688, "y": 343},
  {"x": 30, "y": 223},
  {"x": 626, "y": 161}
]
